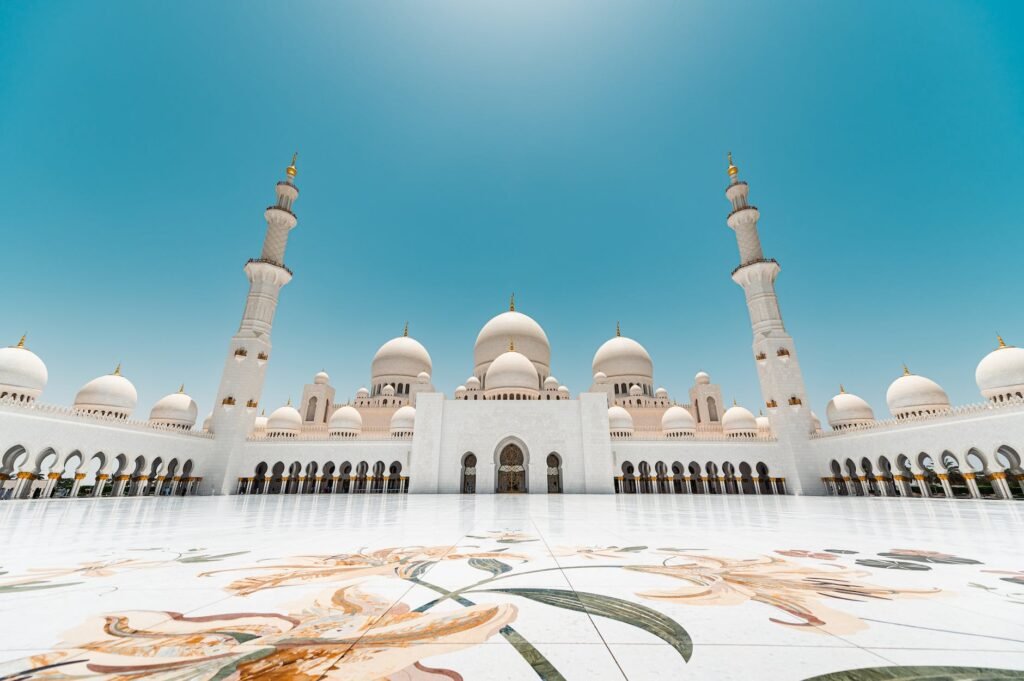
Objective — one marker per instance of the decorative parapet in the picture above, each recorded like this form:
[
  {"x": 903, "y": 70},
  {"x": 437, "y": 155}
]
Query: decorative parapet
[
  {"x": 69, "y": 414},
  {"x": 956, "y": 413},
  {"x": 701, "y": 434},
  {"x": 271, "y": 262},
  {"x": 321, "y": 433}
]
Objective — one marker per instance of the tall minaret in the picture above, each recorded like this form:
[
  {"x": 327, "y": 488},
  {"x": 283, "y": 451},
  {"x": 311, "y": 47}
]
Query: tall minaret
[
  {"x": 241, "y": 383},
  {"x": 778, "y": 370}
]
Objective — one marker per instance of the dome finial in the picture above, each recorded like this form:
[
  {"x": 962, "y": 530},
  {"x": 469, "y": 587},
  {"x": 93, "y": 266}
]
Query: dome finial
[
  {"x": 733, "y": 170},
  {"x": 117, "y": 370},
  {"x": 618, "y": 331},
  {"x": 734, "y": 402},
  {"x": 906, "y": 371},
  {"x": 511, "y": 345},
  {"x": 181, "y": 389},
  {"x": 512, "y": 302},
  {"x": 289, "y": 401},
  {"x": 21, "y": 343},
  {"x": 1002, "y": 343},
  {"x": 290, "y": 170},
  {"x": 405, "y": 332},
  {"x": 842, "y": 390}
]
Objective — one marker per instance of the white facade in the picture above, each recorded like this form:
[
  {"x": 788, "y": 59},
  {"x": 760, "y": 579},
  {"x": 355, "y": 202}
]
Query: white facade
[{"x": 511, "y": 427}]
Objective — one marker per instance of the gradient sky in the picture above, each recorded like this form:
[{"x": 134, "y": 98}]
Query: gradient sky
[{"x": 453, "y": 152}]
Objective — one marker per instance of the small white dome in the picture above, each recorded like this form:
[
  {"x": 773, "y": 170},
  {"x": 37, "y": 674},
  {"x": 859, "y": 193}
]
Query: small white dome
[
  {"x": 635, "y": 390},
  {"x": 176, "y": 409},
  {"x": 346, "y": 420},
  {"x": 460, "y": 391},
  {"x": 676, "y": 420},
  {"x": 738, "y": 420},
  {"x": 423, "y": 377},
  {"x": 321, "y": 378},
  {"x": 702, "y": 378},
  {"x": 529, "y": 337},
  {"x": 764, "y": 424},
  {"x": 388, "y": 390},
  {"x": 208, "y": 422},
  {"x": 472, "y": 383},
  {"x": 600, "y": 377},
  {"x": 619, "y": 420},
  {"x": 551, "y": 383},
  {"x": 403, "y": 420},
  {"x": 911, "y": 394},
  {"x": 285, "y": 420},
  {"x": 846, "y": 409},
  {"x": 112, "y": 394},
  {"x": 621, "y": 356},
  {"x": 1001, "y": 372},
  {"x": 816, "y": 422},
  {"x": 661, "y": 392},
  {"x": 362, "y": 393},
  {"x": 563, "y": 389},
  {"x": 258, "y": 426},
  {"x": 22, "y": 373},
  {"x": 511, "y": 370},
  {"x": 402, "y": 356}
]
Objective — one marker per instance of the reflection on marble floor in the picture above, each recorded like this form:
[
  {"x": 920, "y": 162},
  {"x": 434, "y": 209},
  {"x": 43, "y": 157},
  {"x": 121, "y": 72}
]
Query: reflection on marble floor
[{"x": 511, "y": 587}]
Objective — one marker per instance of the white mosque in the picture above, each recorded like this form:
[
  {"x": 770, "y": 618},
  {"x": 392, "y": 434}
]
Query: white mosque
[{"x": 511, "y": 427}]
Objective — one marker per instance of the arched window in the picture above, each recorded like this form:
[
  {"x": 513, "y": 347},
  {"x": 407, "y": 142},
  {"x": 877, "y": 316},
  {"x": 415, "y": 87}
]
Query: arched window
[
  {"x": 311, "y": 409},
  {"x": 469, "y": 474},
  {"x": 712, "y": 409}
]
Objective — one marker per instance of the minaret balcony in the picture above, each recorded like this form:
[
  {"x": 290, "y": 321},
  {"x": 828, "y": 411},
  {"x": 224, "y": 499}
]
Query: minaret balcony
[
  {"x": 266, "y": 261},
  {"x": 759, "y": 261},
  {"x": 280, "y": 215},
  {"x": 744, "y": 215}
]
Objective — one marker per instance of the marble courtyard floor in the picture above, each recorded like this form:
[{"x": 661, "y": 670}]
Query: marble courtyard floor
[{"x": 425, "y": 588}]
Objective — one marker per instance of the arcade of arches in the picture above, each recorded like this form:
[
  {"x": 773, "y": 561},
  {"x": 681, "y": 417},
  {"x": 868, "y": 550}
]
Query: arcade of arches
[
  {"x": 329, "y": 478},
  {"x": 49, "y": 475},
  {"x": 974, "y": 475},
  {"x": 697, "y": 479}
]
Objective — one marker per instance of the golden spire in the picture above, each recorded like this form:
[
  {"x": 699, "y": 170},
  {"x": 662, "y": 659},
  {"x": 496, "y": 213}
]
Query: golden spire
[
  {"x": 117, "y": 370},
  {"x": 263, "y": 412},
  {"x": 734, "y": 402},
  {"x": 289, "y": 401},
  {"x": 21, "y": 343},
  {"x": 618, "y": 331},
  {"x": 1002, "y": 343},
  {"x": 842, "y": 390},
  {"x": 512, "y": 302},
  {"x": 906, "y": 371},
  {"x": 405, "y": 332},
  {"x": 290, "y": 170},
  {"x": 181, "y": 389},
  {"x": 733, "y": 170}
]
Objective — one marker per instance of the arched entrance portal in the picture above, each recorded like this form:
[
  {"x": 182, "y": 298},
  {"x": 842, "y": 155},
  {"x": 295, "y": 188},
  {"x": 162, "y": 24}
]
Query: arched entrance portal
[{"x": 511, "y": 470}]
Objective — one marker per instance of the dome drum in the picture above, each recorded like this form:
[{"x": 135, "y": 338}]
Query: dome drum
[
  {"x": 678, "y": 422},
  {"x": 403, "y": 422},
  {"x": 22, "y": 374},
  {"x": 284, "y": 422},
  {"x": 111, "y": 395},
  {"x": 620, "y": 423},
  {"x": 176, "y": 410},
  {"x": 346, "y": 422},
  {"x": 1000, "y": 374},
  {"x": 738, "y": 422},
  {"x": 846, "y": 410},
  {"x": 911, "y": 396}
]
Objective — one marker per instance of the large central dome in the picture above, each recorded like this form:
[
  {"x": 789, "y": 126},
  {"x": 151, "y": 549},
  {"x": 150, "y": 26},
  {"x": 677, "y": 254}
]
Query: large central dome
[
  {"x": 512, "y": 326},
  {"x": 401, "y": 357}
]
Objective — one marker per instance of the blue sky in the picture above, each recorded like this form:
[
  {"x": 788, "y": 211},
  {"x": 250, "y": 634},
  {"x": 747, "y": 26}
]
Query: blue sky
[{"x": 452, "y": 152}]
